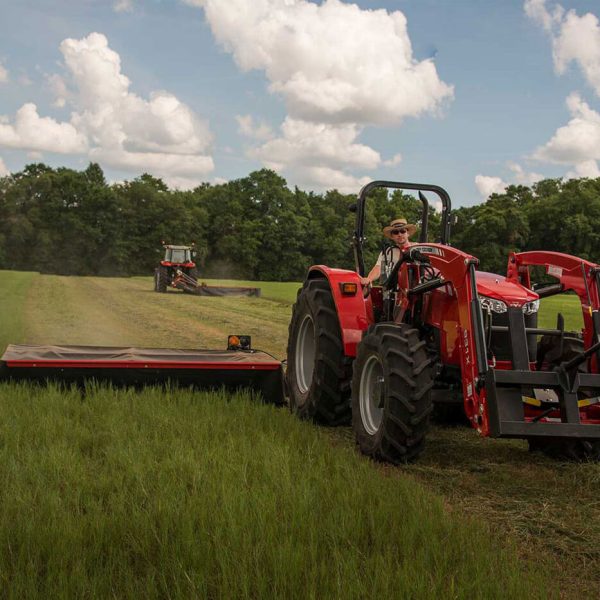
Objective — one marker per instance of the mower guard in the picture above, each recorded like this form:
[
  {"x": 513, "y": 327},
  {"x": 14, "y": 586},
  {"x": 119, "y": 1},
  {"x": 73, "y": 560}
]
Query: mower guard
[{"x": 232, "y": 369}]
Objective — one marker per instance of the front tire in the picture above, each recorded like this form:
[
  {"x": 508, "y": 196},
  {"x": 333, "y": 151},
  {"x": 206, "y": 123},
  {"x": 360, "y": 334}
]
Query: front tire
[
  {"x": 318, "y": 372},
  {"x": 391, "y": 393}
]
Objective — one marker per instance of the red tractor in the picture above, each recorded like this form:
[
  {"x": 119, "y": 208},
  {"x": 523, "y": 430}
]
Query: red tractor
[
  {"x": 437, "y": 332},
  {"x": 178, "y": 263}
]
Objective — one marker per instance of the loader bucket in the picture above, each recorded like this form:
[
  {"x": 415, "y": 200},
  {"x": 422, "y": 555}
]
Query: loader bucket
[{"x": 232, "y": 369}]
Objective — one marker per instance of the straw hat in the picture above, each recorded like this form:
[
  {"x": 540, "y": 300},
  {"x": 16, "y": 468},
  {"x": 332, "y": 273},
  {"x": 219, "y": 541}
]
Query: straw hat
[{"x": 399, "y": 223}]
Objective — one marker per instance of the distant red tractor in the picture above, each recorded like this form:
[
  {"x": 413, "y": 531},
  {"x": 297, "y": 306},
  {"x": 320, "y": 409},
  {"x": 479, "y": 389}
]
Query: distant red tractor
[
  {"x": 178, "y": 261},
  {"x": 438, "y": 332}
]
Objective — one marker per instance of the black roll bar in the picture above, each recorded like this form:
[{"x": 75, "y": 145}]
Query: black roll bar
[{"x": 399, "y": 185}]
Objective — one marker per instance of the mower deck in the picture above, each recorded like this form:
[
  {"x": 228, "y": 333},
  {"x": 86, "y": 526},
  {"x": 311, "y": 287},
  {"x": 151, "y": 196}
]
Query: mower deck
[{"x": 232, "y": 369}]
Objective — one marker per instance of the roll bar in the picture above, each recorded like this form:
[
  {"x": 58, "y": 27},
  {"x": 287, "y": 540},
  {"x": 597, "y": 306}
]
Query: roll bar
[{"x": 358, "y": 238}]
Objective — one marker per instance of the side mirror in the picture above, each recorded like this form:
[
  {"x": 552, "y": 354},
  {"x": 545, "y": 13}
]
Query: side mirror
[{"x": 352, "y": 207}]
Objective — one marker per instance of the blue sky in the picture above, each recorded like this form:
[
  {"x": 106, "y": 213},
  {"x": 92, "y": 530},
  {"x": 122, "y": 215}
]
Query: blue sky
[{"x": 468, "y": 94}]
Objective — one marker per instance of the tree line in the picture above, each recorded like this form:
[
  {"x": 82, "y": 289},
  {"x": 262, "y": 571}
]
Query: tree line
[{"x": 72, "y": 222}]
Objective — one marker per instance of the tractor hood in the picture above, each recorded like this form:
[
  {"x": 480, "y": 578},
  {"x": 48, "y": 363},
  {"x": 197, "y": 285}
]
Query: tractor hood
[{"x": 500, "y": 288}]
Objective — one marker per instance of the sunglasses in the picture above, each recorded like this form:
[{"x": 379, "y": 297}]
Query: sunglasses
[{"x": 397, "y": 231}]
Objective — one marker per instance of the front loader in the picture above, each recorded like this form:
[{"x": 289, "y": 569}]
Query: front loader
[{"x": 437, "y": 331}]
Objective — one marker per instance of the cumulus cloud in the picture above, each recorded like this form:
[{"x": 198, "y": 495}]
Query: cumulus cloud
[
  {"x": 332, "y": 86},
  {"x": 3, "y": 170},
  {"x": 317, "y": 154},
  {"x": 574, "y": 38},
  {"x": 304, "y": 144},
  {"x": 310, "y": 55},
  {"x": 110, "y": 123},
  {"x": 576, "y": 142},
  {"x": 490, "y": 185},
  {"x": 523, "y": 177},
  {"x": 587, "y": 168},
  {"x": 3, "y": 73},
  {"x": 32, "y": 132},
  {"x": 394, "y": 161}
]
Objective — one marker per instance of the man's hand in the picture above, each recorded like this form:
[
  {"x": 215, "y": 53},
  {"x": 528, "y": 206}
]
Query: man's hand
[{"x": 365, "y": 281}]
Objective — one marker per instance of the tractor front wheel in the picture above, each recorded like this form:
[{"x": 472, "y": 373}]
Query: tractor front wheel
[
  {"x": 318, "y": 372},
  {"x": 391, "y": 393}
]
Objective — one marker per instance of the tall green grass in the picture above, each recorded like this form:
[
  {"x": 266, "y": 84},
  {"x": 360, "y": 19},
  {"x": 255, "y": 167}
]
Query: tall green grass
[
  {"x": 168, "y": 494},
  {"x": 13, "y": 290}
]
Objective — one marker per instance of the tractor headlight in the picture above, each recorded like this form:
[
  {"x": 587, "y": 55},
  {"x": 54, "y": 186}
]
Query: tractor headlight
[
  {"x": 491, "y": 304},
  {"x": 531, "y": 307}
]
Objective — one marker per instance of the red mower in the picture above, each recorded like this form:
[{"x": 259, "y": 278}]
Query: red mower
[{"x": 437, "y": 333}]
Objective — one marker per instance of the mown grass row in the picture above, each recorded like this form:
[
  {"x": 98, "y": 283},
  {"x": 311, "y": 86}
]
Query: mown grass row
[
  {"x": 13, "y": 290},
  {"x": 180, "y": 494}
]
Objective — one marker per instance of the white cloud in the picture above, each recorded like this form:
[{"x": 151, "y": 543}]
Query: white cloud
[
  {"x": 587, "y": 168},
  {"x": 576, "y": 142},
  {"x": 123, "y": 6},
  {"x": 325, "y": 178},
  {"x": 247, "y": 127},
  {"x": 332, "y": 62},
  {"x": 338, "y": 69},
  {"x": 161, "y": 135},
  {"x": 537, "y": 10},
  {"x": 574, "y": 38},
  {"x": 3, "y": 73},
  {"x": 32, "y": 132},
  {"x": 394, "y": 161},
  {"x": 489, "y": 185},
  {"x": 524, "y": 177},
  {"x": 3, "y": 170},
  {"x": 305, "y": 144}
]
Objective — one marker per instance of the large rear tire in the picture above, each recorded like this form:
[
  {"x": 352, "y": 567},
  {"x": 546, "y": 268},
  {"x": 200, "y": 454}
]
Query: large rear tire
[
  {"x": 318, "y": 372},
  {"x": 161, "y": 279},
  {"x": 577, "y": 450},
  {"x": 391, "y": 393}
]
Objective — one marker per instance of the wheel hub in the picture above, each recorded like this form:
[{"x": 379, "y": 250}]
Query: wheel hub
[
  {"x": 305, "y": 354},
  {"x": 372, "y": 395}
]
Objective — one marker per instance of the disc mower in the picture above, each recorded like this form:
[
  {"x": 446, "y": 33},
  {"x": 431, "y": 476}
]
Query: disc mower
[
  {"x": 436, "y": 332},
  {"x": 179, "y": 271},
  {"x": 237, "y": 367}
]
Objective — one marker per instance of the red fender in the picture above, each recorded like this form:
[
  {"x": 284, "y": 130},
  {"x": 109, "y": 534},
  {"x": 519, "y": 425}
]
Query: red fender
[{"x": 355, "y": 313}]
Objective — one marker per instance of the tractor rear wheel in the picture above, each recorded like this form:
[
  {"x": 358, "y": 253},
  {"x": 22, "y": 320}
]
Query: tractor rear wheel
[
  {"x": 549, "y": 357},
  {"x": 391, "y": 393},
  {"x": 318, "y": 372},
  {"x": 161, "y": 279}
]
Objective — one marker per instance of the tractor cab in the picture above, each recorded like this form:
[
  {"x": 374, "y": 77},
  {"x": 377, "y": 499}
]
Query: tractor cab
[{"x": 178, "y": 256}]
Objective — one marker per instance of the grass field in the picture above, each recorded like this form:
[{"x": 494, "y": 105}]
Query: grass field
[{"x": 178, "y": 495}]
